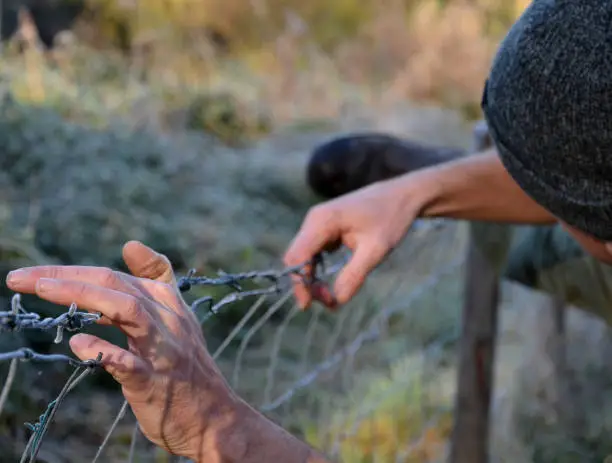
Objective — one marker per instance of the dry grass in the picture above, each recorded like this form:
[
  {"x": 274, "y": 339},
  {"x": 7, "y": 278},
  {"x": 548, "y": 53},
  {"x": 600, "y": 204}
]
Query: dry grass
[{"x": 412, "y": 51}]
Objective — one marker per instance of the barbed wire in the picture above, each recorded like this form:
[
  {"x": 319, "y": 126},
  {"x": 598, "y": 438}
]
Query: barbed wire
[
  {"x": 371, "y": 333},
  {"x": 18, "y": 319},
  {"x": 280, "y": 280},
  {"x": 271, "y": 283}
]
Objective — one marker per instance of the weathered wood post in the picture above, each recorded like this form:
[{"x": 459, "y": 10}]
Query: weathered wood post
[
  {"x": 486, "y": 250},
  {"x": 554, "y": 341}
]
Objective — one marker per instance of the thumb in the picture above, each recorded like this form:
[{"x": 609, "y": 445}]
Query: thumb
[
  {"x": 127, "y": 369},
  {"x": 144, "y": 262},
  {"x": 352, "y": 277}
]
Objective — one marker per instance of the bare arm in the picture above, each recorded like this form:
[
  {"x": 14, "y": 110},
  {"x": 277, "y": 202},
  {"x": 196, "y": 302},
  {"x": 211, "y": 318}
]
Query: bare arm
[
  {"x": 373, "y": 220},
  {"x": 472, "y": 188},
  {"x": 476, "y": 187},
  {"x": 252, "y": 438}
]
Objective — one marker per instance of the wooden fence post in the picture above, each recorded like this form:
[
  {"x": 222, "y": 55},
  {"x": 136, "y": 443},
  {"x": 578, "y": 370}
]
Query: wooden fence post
[{"x": 470, "y": 436}]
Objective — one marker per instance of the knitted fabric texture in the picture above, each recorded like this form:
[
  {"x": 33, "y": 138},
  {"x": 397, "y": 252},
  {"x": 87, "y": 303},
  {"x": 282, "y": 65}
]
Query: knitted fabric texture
[{"x": 548, "y": 105}]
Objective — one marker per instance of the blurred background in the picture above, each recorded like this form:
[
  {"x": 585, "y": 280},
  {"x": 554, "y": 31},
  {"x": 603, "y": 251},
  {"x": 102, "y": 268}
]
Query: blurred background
[{"x": 188, "y": 125}]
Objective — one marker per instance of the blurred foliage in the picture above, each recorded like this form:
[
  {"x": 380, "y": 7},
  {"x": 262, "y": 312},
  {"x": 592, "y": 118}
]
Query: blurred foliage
[
  {"x": 235, "y": 69},
  {"x": 233, "y": 24},
  {"x": 239, "y": 26},
  {"x": 223, "y": 115},
  {"x": 83, "y": 138},
  {"x": 392, "y": 417}
]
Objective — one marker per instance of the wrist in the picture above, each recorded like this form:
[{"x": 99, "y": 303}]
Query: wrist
[
  {"x": 223, "y": 438},
  {"x": 246, "y": 436},
  {"x": 419, "y": 191}
]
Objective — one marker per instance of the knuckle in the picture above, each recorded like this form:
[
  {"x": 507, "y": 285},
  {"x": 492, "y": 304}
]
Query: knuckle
[
  {"x": 177, "y": 324},
  {"x": 133, "y": 308},
  {"x": 292, "y": 256},
  {"x": 81, "y": 289},
  {"x": 165, "y": 288},
  {"x": 353, "y": 275},
  {"x": 317, "y": 213},
  {"x": 108, "y": 277},
  {"x": 167, "y": 292},
  {"x": 54, "y": 272},
  {"x": 379, "y": 249},
  {"x": 172, "y": 322},
  {"x": 381, "y": 245}
]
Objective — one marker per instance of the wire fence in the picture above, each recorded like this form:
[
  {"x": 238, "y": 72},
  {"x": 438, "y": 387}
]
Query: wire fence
[{"x": 371, "y": 381}]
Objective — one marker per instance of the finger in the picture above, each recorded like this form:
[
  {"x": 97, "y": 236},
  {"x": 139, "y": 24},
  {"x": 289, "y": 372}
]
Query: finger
[
  {"x": 353, "y": 275},
  {"x": 24, "y": 279},
  {"x": 321, "y": 292},
  {"x": 126, "y": 311},
  {"x": 127, "y": 368},
  {"x": 144, "y": 262},
  {"x": 316, "y": 233}
]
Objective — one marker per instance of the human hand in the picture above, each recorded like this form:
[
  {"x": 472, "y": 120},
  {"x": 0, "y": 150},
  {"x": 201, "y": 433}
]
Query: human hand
[
  {"x": 171, "y": 382},
  {"x": 370, "y": 222}
]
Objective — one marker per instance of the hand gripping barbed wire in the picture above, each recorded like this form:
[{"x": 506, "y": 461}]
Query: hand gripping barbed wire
[
  {"x": 18, "y": 318},
  {"x": 281, "y": 283}
]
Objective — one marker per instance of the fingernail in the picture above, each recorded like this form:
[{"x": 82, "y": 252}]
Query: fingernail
[
  {"x": 15, "y": 276},
  {"x": 47, "y": 284}
]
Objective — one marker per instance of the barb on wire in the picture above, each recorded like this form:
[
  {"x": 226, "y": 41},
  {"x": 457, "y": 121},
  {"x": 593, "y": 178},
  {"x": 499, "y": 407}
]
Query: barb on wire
[
  {"x": 19, "y": 319},
  {"x": 280, "y": 280},
  {"x": 233, "y": 280},
  {"x": 39, "y": 429},
  {"x": 371, "y": 333},
  {"x": 27, "y": 354}
]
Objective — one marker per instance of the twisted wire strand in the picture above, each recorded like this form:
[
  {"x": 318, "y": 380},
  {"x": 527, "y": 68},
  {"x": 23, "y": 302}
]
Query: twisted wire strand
[
  {"x": 370, "y": 334},
  {"x": 18, "y": 318},
  {"x": 40, "y": 428},
  {"x": 280, "y": 279}
]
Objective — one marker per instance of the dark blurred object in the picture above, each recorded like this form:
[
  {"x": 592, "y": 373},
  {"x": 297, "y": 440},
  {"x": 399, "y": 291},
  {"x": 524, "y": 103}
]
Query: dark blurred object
[
  {"x": 353, "y": 161},
  {"x": 51, "y": 17}
]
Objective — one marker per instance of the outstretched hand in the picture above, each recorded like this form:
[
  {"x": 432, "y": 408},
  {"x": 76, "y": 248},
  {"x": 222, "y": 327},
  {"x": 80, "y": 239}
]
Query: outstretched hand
[
  {"x": 167, "y": 375},
  {"x": 370, "y": 222}
]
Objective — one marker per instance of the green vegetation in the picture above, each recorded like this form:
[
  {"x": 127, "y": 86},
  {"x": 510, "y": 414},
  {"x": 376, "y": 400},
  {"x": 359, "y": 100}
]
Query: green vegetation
[{"x": 169, "y": 124}]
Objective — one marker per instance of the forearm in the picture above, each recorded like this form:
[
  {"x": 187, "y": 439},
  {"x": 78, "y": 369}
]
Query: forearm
[
  {"x": 476, "y": 187},
  {"x": 249, "y": 437}
]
